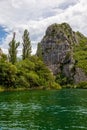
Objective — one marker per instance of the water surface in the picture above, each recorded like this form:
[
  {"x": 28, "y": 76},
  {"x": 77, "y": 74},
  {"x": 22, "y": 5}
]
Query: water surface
[{"x": 44, "y": 110}]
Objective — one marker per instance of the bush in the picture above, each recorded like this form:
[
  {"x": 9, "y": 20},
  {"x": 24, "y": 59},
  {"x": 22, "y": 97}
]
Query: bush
[
  {"x": 22, "y": 82},
  {"x": 82, "y": 85},
  {"x": 28, "y": 73},
  {"x": 7, "y": 74},
  {"x": 33, "y": 78},
  {"x": 33, "y": 73}
]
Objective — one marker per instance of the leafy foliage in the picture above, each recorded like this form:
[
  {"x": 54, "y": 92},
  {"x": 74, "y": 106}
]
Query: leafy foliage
[
  {"x": 28, "y": 73},
  {"x": 80, "y": 52},
  {"x": 34, "y": 73},
  {"x": 82, "y": 85},
  {"x": 39, "y": 51},
  {"x": 7, "y": 74}
]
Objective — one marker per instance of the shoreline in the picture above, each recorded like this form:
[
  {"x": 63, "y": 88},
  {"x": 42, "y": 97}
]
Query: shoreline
[{"x": 2, "y": 89}]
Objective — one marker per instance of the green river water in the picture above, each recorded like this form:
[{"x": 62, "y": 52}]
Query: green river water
[{"x": 44, "y": 110}]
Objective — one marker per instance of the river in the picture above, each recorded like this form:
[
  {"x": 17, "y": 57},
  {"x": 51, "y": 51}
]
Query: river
[{"x": 44, "y": 110}]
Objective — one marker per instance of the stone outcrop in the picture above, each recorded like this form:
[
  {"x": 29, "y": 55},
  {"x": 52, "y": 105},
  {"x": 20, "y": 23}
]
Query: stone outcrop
[
  {"x": 79, "y": 76},
  {"x": 56, "y": 50}
]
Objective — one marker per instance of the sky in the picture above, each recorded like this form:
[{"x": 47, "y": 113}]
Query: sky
[{"x": 36, "y": 16}]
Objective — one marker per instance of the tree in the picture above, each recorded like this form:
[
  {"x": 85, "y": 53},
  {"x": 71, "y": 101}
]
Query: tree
[
  {"x": 2, "y": 55},
  {"x": 39, "y": 51},
  {"x": 26, "y": 45},
  {"x": 13, "y": 50}
]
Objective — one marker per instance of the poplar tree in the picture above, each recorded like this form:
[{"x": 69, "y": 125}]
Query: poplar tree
[
  {"x": 26, "y": 52},
  {"x": 13, "y": 50}
]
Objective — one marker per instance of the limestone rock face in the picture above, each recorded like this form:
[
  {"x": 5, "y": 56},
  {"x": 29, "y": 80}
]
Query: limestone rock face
[
  {"x": 79, "y": 76},
  {"x": 56, "y": 49}
]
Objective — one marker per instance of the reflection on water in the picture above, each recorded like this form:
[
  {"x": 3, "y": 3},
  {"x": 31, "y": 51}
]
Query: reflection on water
[{"x": 44, "y": 110}]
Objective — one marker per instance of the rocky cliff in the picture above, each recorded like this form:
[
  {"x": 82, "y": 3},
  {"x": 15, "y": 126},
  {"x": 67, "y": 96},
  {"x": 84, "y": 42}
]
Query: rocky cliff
[{"x": 58, "y": 49}]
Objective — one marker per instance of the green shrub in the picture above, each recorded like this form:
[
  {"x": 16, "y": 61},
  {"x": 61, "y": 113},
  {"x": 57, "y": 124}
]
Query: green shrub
[
  {"x": 7, "y": 74},
  {"x": 82, "y": 85},
  {"x": 33, "y": 78},
  {"x": 22, "y": 82},
  {"x": 34, "y": 73}
]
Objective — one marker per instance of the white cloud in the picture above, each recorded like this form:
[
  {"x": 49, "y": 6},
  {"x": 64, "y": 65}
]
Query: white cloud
[{"x": 37, "y": 15}]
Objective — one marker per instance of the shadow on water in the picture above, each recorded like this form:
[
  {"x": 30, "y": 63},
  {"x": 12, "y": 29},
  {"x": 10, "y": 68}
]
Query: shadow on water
[{"x": 44, "y": 110}]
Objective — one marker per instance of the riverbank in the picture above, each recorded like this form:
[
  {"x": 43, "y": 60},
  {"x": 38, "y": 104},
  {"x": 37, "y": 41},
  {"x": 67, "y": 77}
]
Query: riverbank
[
  {"x": 2, "y": 89},
  {"x": 82, "y": 85}
]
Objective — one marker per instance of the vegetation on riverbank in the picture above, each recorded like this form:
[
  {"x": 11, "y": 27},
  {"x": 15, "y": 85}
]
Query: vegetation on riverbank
[
  {"x": 28, "y": 73},
  {"x": 80, "y": 52}
]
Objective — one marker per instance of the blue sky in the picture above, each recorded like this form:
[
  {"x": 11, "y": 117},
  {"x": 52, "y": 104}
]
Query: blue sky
[
  {"x": 36, "y": 16},
  {"x": 3, "y": 34}
]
